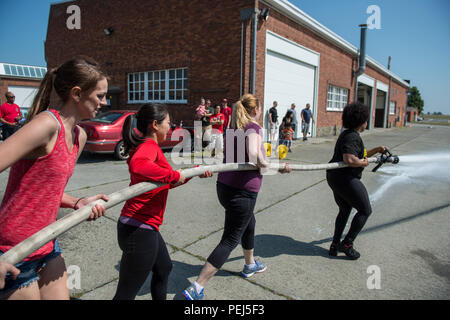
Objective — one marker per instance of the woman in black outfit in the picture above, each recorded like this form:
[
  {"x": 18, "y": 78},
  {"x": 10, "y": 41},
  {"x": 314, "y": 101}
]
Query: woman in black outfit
[{"x": 348, "y": 190}]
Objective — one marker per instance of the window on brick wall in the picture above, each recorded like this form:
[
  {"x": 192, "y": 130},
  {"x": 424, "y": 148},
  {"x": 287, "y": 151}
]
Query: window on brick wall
[
  {"x": 169, "y": 86},
  {"x": 337, "y": 98},
  {"x": 392, "y": 106}
]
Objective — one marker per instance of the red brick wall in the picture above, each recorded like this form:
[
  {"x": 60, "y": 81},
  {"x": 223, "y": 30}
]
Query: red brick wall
[{"x": 203, "y": 36}]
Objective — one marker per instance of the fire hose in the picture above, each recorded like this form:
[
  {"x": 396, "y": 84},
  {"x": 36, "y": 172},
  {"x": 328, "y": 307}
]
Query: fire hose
[{"x": 40, "y": 238}]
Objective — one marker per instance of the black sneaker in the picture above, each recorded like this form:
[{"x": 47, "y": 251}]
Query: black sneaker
[
  {"x": 333, "y": 249},
  {"x": 349, "y": 251}
]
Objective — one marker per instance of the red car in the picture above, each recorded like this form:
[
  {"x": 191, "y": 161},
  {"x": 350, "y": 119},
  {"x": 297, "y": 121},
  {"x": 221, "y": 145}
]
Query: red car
[{"x": 104, "y": 134}]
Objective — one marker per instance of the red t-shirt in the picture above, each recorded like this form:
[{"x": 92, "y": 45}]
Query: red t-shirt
[
  {"x": 227, "y": 113},
  {"x": 9, "y": 112},
  {"x": 218, "y": 117},
  {"x": 148, "y": 164}
]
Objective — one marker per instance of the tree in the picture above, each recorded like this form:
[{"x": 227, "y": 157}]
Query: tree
[{"x": 415, "y": 100}]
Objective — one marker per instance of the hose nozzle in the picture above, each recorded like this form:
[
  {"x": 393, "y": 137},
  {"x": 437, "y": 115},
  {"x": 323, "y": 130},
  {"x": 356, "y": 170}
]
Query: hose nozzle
[{"x": 387, "y": 156}]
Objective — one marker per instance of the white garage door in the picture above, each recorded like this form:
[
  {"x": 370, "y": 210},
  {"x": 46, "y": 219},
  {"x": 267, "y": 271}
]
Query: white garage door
[
  {"x": 290, "y": 77},
  {"x": 24, "y": 95}
]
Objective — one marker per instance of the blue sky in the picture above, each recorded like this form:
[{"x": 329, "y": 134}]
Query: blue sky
[{"x": 415, "y": 33}]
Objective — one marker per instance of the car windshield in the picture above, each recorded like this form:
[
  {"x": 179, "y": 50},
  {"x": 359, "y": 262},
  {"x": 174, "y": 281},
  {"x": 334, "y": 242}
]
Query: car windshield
[{"x": 107, "y": 117}]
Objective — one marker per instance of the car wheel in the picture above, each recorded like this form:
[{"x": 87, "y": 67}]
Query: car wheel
[{"x": 119, "y": 151}]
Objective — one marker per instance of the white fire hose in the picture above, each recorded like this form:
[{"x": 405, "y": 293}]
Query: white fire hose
[{"x": 40, "y": 238}]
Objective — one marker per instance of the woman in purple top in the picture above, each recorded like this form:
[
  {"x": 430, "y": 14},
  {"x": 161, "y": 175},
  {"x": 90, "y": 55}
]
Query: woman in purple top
[{"x": 237, "y": 192}]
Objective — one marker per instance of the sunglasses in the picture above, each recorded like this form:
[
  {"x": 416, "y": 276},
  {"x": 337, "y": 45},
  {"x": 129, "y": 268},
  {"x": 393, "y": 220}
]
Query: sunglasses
[{"x": 10, "y": 97}]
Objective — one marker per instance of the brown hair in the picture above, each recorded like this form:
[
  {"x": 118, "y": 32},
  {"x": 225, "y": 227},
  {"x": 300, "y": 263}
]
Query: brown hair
[
  {"x": 242, "y": 111},
  {"x": 146, "y": 115},
  {"x": 80, "y": 71}
]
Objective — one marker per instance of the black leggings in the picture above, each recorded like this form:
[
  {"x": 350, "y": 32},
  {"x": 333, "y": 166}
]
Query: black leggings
[
  {"x": 143, "y": 251},
  {"x": 239, "y": 222},
  {"x": 349, "y": 192}
]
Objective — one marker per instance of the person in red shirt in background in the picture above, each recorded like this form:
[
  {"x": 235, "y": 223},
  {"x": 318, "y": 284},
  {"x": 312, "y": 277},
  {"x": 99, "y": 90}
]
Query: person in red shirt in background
[
  {"x": 143, "y": 247},
  {"x": 226, "y": 110},
  {"x": 10, "y": 115},
  {"x": 216, "y": 141}
]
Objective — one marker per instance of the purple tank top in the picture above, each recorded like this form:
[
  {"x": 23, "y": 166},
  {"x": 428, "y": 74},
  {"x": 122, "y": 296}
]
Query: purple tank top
[{"x": 236, "y": 151}]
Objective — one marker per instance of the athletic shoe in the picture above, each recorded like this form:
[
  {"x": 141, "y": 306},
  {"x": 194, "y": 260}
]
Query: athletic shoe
[
  {"x": 258, "y": 268},
  {"x": 191, "y": 294},
  {"x": 349, "y": 251},
  {"x": 333, "y": 249}
]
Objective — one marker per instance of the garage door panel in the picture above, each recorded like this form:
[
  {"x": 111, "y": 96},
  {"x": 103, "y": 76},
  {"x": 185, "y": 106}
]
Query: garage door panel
[{"x": 288, "y": 81}]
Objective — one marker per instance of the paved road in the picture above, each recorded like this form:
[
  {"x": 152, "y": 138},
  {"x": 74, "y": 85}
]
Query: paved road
[{"x": 404, "y": 245}]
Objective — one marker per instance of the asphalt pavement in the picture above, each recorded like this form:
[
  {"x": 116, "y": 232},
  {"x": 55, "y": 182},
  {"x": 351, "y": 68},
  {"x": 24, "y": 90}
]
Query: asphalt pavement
[{"x": 404, "y": 244}]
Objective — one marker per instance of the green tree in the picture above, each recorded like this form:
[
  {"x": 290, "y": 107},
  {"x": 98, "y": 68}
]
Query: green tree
[{"x": 415, "y": 100}]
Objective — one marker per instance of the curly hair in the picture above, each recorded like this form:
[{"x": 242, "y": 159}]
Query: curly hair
[{"x": 354, "y": 115}]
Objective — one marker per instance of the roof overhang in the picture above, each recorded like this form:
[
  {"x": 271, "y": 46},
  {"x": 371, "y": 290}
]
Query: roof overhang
[{"x": 294, "y": 13}]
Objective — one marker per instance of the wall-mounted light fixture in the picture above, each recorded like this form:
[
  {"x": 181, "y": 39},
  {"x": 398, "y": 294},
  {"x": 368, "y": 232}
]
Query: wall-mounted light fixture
[
  {"x": 264, "y": 13},
  {"x": 108, "y": 31}
]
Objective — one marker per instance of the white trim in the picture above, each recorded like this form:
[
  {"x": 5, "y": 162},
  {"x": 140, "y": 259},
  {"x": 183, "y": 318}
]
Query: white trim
[
  {"x": 166, "y": 88},
  {"x": 294, "y": 13},
  {"x": 291, "y": 49},
  {"x": 365, "y": 79},
  {"x": 382, "y": 86}
]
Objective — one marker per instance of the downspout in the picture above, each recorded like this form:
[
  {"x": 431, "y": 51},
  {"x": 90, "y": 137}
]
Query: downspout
[
  {"x": 255, "y": 30},
  {"x": 362, "y": 65},
  {"x": 388, "y": 107},
  {"x": 242, "y": 57},
  {"x": 245, "y": 15}
]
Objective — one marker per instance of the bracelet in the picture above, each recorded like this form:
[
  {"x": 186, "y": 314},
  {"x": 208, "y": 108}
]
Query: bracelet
[{"x": 77, "y": 202}]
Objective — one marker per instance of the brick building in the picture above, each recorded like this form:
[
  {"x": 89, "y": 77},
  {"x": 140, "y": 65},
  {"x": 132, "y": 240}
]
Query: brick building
[{"x": 175, "y": 52}]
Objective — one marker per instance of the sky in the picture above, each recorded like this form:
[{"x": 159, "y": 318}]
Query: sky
[{"x": 415, "y": 33}]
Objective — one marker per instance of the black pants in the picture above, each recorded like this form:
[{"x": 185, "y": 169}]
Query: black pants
[
  {"x": 349, "y": 192},
  {"x": 239, "y": 222},
  {"x": 8, "y": 131},
  {"x": 143, "y": 251}
]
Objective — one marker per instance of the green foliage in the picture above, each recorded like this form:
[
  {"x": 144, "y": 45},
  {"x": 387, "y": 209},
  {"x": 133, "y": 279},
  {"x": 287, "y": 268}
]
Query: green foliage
[{"x": 415, "y": 100}]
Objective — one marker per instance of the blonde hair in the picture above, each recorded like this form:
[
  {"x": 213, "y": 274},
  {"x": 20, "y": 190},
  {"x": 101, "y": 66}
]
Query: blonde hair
[{"x": 242, "y": 111}]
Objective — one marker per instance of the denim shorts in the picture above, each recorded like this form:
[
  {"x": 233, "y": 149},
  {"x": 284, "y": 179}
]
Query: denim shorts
[{"x": 29, "y": 271}]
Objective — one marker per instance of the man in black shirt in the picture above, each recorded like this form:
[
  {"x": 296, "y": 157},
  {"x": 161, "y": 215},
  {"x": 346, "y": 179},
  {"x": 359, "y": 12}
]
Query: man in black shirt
[
  {"x": 348, "y": 190},
  {"x": 273, "y": 122}
]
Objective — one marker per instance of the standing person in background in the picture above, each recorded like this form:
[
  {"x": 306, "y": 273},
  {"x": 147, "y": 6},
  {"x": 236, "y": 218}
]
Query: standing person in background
[
  {"x": 41, "y": 157},
  {"x": 273, "y": 122},
  {"x": 217, "y": 122},
  {"x": 348, "y": 190},
  {"x": 288, "y": 133},
  {"x": 226, "y": 110},
  {"x": 237, "y": 192},
  {"x": 294, "y": 121},
  {"x": 206, "y": 122},
  {"x": 200, "y": 113},
  {"x": 10, "y": 115},
  {"x": 307, "y": 116}
]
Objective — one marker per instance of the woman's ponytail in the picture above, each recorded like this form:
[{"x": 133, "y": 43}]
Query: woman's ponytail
[
  {"x": 130, "y": 138},
  {"x": 144, "y": 117},
  {"x": 242, "y": 110},
  {"x": 41, "y": 101}
]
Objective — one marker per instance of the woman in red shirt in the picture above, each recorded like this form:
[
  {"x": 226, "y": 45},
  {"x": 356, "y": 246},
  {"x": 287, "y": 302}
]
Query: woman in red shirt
[
  {"x": 41, "y": 157},
  {"x": 143, "y": 247}
]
